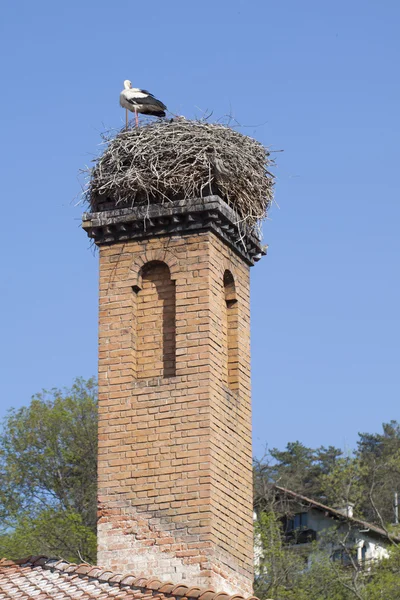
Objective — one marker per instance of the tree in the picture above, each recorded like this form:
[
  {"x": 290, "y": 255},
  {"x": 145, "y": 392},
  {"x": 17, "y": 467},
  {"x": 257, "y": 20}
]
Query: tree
[
  {"x": 50, "y": 533},
  {"x": 297, "y": 468},
  {"x": 301, "y": 573},
  {"x": 379, "y": 458},
  {"x": 368, "y": 478},
  {"x": 48, "y": 464},
  {"x": 278, "y": 568},
  {"x": 343, "y": 483},
  {"x": 384, "y": 580}
]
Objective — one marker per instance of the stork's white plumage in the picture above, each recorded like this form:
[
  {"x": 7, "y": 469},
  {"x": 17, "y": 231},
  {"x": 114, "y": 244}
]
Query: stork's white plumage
[{"x": 140, "y": 101}]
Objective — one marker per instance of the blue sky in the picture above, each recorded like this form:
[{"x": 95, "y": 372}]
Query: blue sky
[{"x": 318, "y": 80}]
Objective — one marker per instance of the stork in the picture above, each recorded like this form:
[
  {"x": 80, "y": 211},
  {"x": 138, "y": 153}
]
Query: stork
[{"x": 140, "y": 101}]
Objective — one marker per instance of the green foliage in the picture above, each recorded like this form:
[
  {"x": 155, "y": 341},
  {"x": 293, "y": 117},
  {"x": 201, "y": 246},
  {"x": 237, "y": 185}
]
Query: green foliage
[
  {"x": 300, "y": 573},
  {"x": 379, "y": 458},
  {"x": 384, "y": 581},
  {"x": 297, "y": 468},
  {"x": 276, "y": 574},
  {"x": 343, "y": 483},
  {"x": 51, "y": 533},
  {"x": 48, "y": 455},
  {"x": 308, "y": 573},
  {"x": 323, "y": 582},
  {"x": 368, "y": 478}
]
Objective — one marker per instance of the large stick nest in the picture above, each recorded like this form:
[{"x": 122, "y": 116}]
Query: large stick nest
[{"x": 164, "y": 161}]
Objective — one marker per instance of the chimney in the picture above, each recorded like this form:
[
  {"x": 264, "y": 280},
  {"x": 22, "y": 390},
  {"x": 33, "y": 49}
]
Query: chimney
[
  {"x": 345, "y": 509},
  {"x": 175, "y": 449}
]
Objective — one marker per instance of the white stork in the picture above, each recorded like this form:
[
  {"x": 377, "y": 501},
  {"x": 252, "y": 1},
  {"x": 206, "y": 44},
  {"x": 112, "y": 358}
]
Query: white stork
[{"x": 140, "y": 101}]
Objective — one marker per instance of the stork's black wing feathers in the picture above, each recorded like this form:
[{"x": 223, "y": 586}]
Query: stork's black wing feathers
[
  {"x": 149, "y": 101},
  {"x": 160, "y": 104}
]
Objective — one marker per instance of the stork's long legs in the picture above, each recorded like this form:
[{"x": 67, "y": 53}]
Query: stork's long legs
[
  {"x": 136, "y": 118},
  {"x": 126, "y": 119}
]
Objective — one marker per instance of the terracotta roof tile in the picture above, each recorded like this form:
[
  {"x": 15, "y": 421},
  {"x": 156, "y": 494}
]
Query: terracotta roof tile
[
  {"x": 154, "y": 584},
  {"x": 179, "y": 590},
  {"x": 193, "y": 592},
  {"x": 41, "y": 578},
  {"x": 207, "y": 594},
  {"x": 167, "y": 587},
  {"x": 222, "y": 596}
]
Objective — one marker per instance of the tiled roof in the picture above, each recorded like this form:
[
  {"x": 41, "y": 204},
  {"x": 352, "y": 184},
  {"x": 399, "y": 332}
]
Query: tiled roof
[
  {"x": 336, "y": 514},
  {"x": 41, "y": 578}
]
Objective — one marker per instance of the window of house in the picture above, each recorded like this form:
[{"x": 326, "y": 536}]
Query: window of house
[
  {"x": 363, "y": 553},
  {"x": 345, "y": 557},
  {"x": 299, "y": 521}
]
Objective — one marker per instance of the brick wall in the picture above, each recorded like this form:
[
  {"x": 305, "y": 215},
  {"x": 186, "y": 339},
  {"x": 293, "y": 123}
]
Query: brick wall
[{"x": 175, "y": 478}]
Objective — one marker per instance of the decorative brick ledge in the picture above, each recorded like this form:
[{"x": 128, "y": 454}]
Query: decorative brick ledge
[{"x": 178, "y": 217}]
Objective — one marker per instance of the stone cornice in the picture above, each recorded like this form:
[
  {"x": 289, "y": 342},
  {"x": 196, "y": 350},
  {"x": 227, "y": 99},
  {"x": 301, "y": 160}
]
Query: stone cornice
[{"x": 180, "y": 217}]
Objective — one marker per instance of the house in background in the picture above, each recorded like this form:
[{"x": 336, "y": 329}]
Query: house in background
[{"x": 346, "y": 538}]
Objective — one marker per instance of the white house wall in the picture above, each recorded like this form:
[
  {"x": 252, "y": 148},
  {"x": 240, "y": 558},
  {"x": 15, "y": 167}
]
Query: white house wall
[{"x": 375, "y": 549}]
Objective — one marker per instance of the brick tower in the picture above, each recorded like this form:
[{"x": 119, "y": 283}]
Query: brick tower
[{"x": 175, "y": 454}]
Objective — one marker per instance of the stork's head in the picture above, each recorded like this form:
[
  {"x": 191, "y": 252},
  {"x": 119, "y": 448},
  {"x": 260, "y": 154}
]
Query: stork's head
[{"x": 127, "y": 84}]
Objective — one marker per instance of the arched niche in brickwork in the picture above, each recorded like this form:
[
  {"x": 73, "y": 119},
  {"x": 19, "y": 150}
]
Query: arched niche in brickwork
[
  {"x": 231, "y": 330},
  {"x": 157, "y": 255},
  {"x": 154, "y": 322}
]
